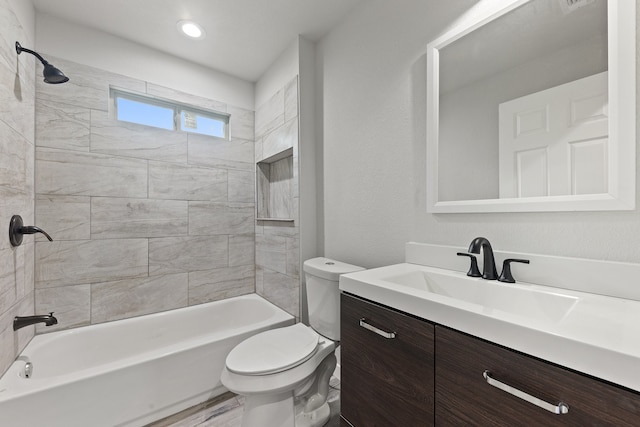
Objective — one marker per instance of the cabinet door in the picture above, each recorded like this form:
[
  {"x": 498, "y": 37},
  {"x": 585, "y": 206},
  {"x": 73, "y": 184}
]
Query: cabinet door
[
  {"x": 464, "y": 397},
  {"x": 385, "y": 381}
]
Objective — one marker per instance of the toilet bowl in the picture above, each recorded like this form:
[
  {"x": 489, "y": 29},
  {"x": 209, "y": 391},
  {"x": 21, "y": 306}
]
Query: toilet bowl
[{"x": 284, "y": 373}]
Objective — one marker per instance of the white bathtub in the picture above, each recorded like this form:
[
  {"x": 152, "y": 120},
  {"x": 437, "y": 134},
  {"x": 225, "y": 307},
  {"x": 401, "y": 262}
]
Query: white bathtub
[{"x": 130, "y": 372}]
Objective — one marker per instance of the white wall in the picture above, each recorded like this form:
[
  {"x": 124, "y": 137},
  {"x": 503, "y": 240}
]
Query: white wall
[
  {"x": 374, "y": 69},
  {"x": 110, "y": 53}
]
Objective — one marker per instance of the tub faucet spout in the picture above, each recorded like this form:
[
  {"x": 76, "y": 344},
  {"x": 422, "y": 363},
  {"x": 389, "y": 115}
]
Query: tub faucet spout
[{"x": 22, "y": 321}]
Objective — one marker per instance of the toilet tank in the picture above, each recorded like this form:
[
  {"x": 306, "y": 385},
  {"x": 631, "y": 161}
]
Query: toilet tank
[{"x": 323, "y": 296}]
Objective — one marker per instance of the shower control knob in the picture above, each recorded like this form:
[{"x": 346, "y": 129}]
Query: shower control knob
[{"x": 17, "y": 230}]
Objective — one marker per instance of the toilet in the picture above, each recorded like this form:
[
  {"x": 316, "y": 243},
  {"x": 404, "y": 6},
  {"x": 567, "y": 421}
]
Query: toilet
[{"x": 284, "y": 373}]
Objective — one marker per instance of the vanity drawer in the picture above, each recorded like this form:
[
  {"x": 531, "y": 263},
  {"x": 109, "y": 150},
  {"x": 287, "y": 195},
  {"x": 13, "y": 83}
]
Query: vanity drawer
[
  {"x": 465, "y": 397},
  {"x": 387, "y": 366}
]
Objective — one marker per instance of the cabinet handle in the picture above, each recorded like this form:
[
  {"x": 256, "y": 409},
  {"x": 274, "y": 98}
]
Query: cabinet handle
[
  {"x": 559, "y": 409},
  {"x": 387, "y": 335}
]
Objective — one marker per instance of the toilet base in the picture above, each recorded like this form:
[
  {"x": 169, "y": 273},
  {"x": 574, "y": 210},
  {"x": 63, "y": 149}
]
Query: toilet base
[
  {"x": 268, "y": 410},
  {"x": 304, "y": 405},
  {"x": 315, "y": 418}
]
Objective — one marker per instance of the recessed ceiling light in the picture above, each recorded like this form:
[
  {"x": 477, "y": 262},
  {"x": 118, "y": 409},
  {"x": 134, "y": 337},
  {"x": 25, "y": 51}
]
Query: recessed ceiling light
[{"x": 191, "y": 29}]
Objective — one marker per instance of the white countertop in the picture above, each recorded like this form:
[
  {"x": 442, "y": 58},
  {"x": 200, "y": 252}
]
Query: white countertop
[{"x": 599, "y": 336}]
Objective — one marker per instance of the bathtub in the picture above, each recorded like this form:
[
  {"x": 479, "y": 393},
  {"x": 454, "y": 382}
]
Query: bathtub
[{"x": 130, "y": 372}]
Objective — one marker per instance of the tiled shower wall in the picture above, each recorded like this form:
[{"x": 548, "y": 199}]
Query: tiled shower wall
[
  {"x": 278, "y": 276},
  {"x": 17, "y": 87},
  {"x": 143, "y": 219}
]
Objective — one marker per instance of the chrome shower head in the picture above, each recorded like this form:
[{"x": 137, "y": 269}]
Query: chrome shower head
[{"x": 51, "y": 74}]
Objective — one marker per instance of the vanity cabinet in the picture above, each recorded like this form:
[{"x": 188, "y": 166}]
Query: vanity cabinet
[
  {"x": 465, "y": 397},
  {"x": 429, "y": 374},
  {"x": 387, "y": 375}
]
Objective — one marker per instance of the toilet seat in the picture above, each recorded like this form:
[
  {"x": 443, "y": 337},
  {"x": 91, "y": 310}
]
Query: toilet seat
[{"x": 273, "y": 351}]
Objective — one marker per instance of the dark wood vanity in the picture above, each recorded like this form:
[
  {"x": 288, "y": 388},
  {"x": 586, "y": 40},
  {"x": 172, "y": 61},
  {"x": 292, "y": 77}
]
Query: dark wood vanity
[
  {"x": 400, "y": 370},
  {"x": 385, "y": 381}
]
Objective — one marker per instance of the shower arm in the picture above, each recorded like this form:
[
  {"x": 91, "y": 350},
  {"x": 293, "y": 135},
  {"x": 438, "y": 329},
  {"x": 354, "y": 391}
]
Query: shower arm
[{"x": 21, "y": 49}]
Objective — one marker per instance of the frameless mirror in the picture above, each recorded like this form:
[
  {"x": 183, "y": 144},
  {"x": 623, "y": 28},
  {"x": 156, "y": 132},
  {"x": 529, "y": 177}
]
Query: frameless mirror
[{"x": 531, "y": 107}]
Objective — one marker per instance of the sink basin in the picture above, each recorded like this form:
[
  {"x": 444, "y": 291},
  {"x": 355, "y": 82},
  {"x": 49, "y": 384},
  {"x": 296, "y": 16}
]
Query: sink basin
[{"x": 519, "y": 299}]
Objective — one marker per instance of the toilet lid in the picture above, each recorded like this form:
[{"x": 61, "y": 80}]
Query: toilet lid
[{"x": 273, "y": 351}]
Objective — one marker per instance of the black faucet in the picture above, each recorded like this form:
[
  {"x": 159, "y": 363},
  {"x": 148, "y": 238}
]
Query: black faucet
[
  {"x": 22, "y": 321},
  {"x": 489, "y": 264}
]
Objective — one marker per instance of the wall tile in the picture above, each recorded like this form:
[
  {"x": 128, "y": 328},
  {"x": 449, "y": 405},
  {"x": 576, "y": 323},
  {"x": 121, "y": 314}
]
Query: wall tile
[
  {"x": 62, "y": 126},
  {"x": 29, "y": 262},
  {"x": 87, "y": 86},
  {"x": 186, "y": 98},
  {"x": 220, "y": 218},
  {"x": 8, "y": 351},
  {"x": 220, "y": 153},
  {"x": 100, "y": 181},
  {"x": 136, "y": 297},
  {"x": 271, "y": 253},
  {"x": 113, "y": 218},
  {"x": 293, "y": 257},
  {"x": 182, "y": 182},
  {"x": 291, "y": 100},
  {"x": 109, "y": 136},
  {"x": 17, "y": 107},
  {"x": 12, "y": 30},
  {"x": 242, "y": 250},
  {"x": 183, "y": 254},
  {"x": 63, "y": 217},
  {"x": 17, "y": 95},
  {"x": 75, "y": 262},
  {"x": 241, "y": 123},
  {"x": 282, "y": 290},
  {"x": 280, "y": 192},
  {"x": 258, "y": 150},
  {"x": 270, "y": 115},
  {"x": 13, "y": 163},
  {"x": 280, "y": 139},
  {"x": 11, "y": 274},
  {"x": 86, "y": 174},
  {"x": 13, "y": 342},
  {"x": 220, "y": 283},
  {"x": 260, "y": 280},
  {"x": 71, "y": 306},
  {"x": 277, "y": 243},
  {"x": 242, "y": 186},
  {"x": 30, "y": 167},
  {"x": 280, "y": 229}
]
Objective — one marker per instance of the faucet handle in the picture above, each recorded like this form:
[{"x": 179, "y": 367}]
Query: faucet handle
[
  {"x": 474, "y": 271},
  {"x": 506, "y": 275}
]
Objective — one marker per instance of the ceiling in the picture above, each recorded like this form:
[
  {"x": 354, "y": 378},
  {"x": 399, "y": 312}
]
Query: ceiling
[{"x": 243, "y": 37}]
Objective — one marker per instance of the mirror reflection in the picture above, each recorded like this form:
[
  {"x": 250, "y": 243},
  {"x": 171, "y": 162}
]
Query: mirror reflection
[{"x": 523, "y": 105}]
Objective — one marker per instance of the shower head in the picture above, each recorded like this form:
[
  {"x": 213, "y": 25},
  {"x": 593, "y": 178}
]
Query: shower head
[{"x": 51, "y": 74}]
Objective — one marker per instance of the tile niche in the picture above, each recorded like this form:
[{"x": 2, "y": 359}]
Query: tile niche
[{"x": 274, "y": 185}]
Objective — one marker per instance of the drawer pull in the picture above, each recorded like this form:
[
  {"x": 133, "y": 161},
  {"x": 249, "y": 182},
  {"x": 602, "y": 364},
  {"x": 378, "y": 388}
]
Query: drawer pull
[
  {"x": 387, "y": 335},
  {"x": 559, "y": 409}
]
